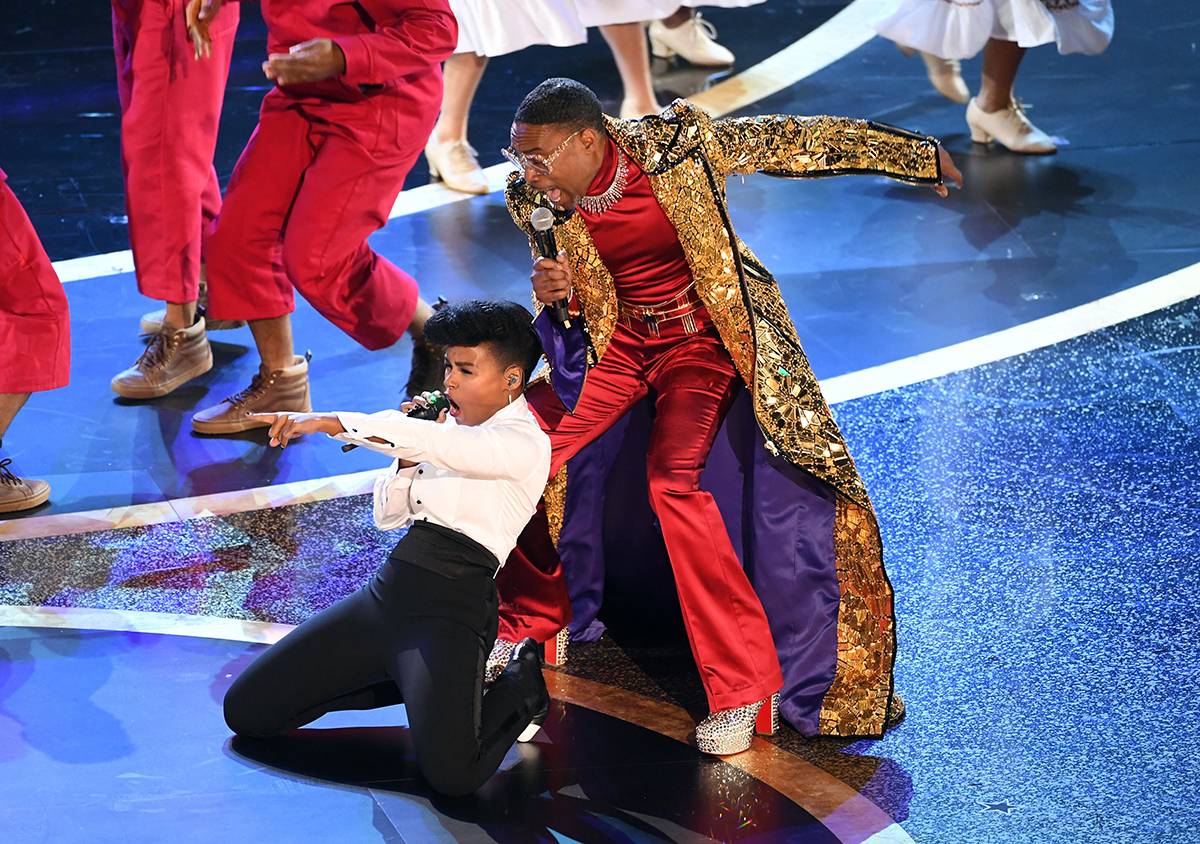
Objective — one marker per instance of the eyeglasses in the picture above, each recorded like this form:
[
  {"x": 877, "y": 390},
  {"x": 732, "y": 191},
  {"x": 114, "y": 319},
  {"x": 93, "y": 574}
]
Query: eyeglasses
[{"x": 537, "y": 163}]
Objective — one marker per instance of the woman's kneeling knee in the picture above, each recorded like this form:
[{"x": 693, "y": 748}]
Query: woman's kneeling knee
[
  {"x": 245, "y": 716},
  {"x": 447, "y": 778}
]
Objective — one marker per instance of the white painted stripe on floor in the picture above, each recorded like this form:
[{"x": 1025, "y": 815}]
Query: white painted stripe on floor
[
  {"x": 94, "y": 266},
  {"x": 845, "y": 32},
  {"x": 1039, "y": 333},
  {"x": 137, "y": 621},
  {"x": 839, "y": 36}
]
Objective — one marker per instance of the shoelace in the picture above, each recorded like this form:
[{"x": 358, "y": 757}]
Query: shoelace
[
  {"x": 155, "y": 352},
  {"x": 1019, "y": 107},
  {"x": 6, "y": 475},
  {"x": 704, "y": 26},
  {"x": 257, "y": 387}
]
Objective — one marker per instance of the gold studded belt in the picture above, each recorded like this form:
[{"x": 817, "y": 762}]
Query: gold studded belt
[{"x": 683, "y": 306}]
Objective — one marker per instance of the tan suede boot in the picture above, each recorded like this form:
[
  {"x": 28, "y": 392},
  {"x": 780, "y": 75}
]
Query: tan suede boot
[
  {"x": 18, "y": 494},
  {"x": 283, "y": 389},
  {"x": 171, "y": 359}
]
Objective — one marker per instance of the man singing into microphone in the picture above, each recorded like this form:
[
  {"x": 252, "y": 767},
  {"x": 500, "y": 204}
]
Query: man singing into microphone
[
  {"x": 465, "y": 485},
  {"x": 674, "y": 306}
]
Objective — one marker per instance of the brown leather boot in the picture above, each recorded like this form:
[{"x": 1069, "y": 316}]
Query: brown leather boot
[
  {"x": 428, "y": 369},
  {"x": 283, "y": 389},
  {"x": 18, "y": 494},
  {"x": 171, "y": 359},
  {"x": 152, "y": 322}
]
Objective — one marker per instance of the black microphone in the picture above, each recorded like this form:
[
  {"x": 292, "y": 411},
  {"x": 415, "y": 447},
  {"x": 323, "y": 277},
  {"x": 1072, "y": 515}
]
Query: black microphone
[
  {"x": 542, "y": 220},
  {"x": 437, "y": 403}
]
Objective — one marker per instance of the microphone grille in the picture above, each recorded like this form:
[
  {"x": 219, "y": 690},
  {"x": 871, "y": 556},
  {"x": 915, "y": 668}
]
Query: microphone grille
[{"x": 542, "y": 219}]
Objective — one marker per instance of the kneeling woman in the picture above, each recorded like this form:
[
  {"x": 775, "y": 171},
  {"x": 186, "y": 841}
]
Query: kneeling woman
[{"x": 418, "y": 634}]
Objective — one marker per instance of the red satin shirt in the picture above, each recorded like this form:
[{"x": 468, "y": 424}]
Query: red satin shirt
[{"x": 636, "y": 241}]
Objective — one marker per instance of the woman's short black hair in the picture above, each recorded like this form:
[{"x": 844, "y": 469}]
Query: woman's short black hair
[
  {"x": 561, "y": 101},
  {"x": 506, "y": 326}
]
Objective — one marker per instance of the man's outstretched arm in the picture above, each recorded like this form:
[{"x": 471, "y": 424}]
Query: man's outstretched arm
[{"x": 795, "y": 146}]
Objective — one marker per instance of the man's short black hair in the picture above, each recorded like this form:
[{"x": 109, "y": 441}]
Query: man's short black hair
[
  {"x": 561, "y": 101},
  {"x": 507, "y": 326}
]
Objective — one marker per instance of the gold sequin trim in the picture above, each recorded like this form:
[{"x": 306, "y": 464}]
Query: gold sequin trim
[
  {"x": 856, "y": 703},
  {"x": 788, "y": 145},
  {"x": 555, "y": 497}
]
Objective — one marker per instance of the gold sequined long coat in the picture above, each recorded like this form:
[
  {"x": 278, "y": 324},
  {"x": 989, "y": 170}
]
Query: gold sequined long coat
[{"x": 687, "y": 156}]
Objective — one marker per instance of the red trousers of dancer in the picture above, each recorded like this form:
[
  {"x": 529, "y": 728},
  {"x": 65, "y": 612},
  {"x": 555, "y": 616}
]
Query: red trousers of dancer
[
  {"x": 314, "y": 181},
  {"x": 170, "y": 110},
  {"x": 694, "y": 382},
  {"x": 35, "y": 333}
]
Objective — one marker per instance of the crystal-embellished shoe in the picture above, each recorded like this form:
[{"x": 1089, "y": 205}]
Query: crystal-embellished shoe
[
  {"x": 730, "y": 731},
  {"x": 895, "y": 713},
  {"x": 554, "y": 651},
  {"x": 501, "y": 653},
  {"x": 554, "y": 654}
]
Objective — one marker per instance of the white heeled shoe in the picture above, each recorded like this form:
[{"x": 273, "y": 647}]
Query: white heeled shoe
[
  {"x": 454, "y": 162},
  {"x": 1010, "y": 127},
  {"x": 694, "y": 40},
  {"x": 945, "y": 75}
]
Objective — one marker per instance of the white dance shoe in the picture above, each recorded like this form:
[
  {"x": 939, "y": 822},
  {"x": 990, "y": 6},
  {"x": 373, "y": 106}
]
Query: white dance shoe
[
  {"x": 456, "y": 164},
  {"x": 695, "y": 41},
  {"x": 1009, "y": 127},
  {"x": 945, "y": 75}
]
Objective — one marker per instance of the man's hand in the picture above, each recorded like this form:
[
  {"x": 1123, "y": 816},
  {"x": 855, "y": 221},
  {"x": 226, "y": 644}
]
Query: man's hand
[
  {"x": 551, "y": 279},
  {"x": 288, "y": 426},
  {"x": 200, "y": 14},
  {"x": 423, "y": 400},
  {"x": 950, "y": 173},
  {"x": 311, "y": 61}
]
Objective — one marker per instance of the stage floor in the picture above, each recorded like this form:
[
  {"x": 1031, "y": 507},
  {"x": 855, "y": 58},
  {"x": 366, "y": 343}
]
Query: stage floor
[{"x": 1016, "y": 369}]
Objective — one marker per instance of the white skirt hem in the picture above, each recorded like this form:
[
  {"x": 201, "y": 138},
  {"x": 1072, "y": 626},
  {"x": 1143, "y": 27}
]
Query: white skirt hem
[{"x": 959, "y": 29}]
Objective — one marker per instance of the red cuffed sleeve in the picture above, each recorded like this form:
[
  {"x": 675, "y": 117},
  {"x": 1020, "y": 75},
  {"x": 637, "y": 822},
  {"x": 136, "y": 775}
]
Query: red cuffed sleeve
[{"x": 410, "y": 36}]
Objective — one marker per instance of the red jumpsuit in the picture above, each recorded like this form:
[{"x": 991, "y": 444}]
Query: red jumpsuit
[
  {"x": 35, "y": 331},
  {"x": 324, "y": 166},
  {"x": 170, "y": 109},
  {"x": 694, "y": 381}
]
